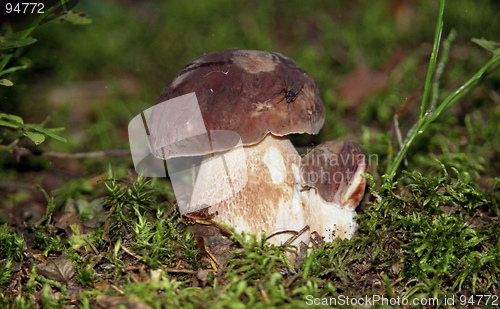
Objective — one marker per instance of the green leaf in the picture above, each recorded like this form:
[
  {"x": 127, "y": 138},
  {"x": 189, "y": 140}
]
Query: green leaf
[
  {"x": 6, "y": 82},
  {"x": 492, "y": 46},
  {"x": 9, "y": 124},
  {"x": 48, "y": 132},
  {"x": 36, "y": 137},
  {"x": 12, "y": 118},
  {"x": 8, "y": 44},
  {"x": 55, "y": 136},
  {"x": 76, "y": 18},
  {"x": 13, "y": 69}
]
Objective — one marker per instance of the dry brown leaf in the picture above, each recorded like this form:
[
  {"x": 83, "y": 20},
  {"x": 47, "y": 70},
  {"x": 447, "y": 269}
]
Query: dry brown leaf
[
  {"x": 68, "y": 219},
  {"x": 60, "y": 269},
  {"x": 364, "y": 81},
  {"x": 360, "y": 83}
]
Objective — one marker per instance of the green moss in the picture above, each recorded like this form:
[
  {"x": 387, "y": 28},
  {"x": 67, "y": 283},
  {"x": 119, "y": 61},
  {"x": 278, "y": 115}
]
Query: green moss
[
  {"x": 12, "y": 244},
  {"x": 425, "y": 235}
]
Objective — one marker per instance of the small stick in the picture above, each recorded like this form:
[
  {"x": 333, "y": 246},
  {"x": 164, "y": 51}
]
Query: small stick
[
  {"x": 184, "y": 271},
  {"x": 140, "y": 258},
  {"x": 92, "y": 246},
  {"x": 214, "y": 267},
  {"x": 22, "y": 152},
  {"x": 117, "y": 289},
  {"x": 222, "y": 229},
  {"x": 293, "y": 238},
  {"x": 399, "y": 137},
  {"x": 264, "y": 294},
  {"x": 202, "y": 222},
  {"x": 212, "y": 257},
  {"x": 396, "y": 281}
]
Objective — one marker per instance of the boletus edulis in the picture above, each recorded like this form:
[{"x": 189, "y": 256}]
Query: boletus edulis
[{"x": 251, "y": 101}]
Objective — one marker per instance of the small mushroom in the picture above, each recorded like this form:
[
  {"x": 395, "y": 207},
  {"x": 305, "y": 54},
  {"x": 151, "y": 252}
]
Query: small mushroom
[
  {"x": 332, "y": 171},
  {"x": 262, "y": 97}
]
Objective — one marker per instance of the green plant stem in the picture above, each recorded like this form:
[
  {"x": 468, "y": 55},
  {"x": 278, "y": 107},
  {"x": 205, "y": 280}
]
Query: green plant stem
[
  {"x": 391, "y": 168},
  {"x": 461, "y": 91},
  {"x": 431, "y": 115},
  {"x": 435, "y": 87},
  {"x": 432, "y": 62},
  {"x": 441, "y": 66}
]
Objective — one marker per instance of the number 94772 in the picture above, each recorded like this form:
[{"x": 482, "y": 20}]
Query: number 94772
[{"x": 24, "y": 8}]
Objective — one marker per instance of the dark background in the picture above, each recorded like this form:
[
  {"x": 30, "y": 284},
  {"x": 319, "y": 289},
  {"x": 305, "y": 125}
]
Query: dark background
[{"x": 368, "y": 57}]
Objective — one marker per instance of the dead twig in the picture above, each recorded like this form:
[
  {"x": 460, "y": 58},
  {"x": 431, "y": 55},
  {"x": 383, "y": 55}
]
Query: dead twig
[
  {"x": 213, "y": 261},
  {"x": 396, "y": 132},
  {"x": 140, "y": 258},
  {"x": 23, "y": 152},
  {"x": 114, "y": 287},
  {"x": 184, "y": 271},
  {"x": 291, "y": 239},
  {"x": 264, "y": 294}
]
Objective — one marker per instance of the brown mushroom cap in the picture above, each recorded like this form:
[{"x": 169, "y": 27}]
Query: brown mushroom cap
[
  {"x": 334, "y": 169},
  {"x": 241, "y": 91}
]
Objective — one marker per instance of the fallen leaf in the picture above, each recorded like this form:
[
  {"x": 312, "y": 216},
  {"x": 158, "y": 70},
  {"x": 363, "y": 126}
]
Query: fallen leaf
[
  {"x": 396, "y": 267},
  {"x": 360, "y": 83},
  {"x": 364, "y": 81},
  {"x": 67, "y": 219},
  {"x": 6, "y": 82},
  {"x": 76, "y": 18},
  {"x": 60, "y": 269}
]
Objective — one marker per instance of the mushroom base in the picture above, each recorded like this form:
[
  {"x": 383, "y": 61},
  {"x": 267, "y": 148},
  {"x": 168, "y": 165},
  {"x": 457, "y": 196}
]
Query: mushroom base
[
  {"x": 329, "y": 220},
  {"x": 268, "y": 202}
]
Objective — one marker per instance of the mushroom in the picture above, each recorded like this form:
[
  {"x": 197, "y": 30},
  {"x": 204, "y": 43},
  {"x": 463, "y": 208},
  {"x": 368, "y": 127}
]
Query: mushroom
[
  {"x": 228, "y": 113},
  {"x": 333, "y": 171},
  {"x": 262, "y": 97}
]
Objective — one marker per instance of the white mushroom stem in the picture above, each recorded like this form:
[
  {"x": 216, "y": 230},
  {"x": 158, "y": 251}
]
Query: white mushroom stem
[
  {"x": 261, "y": 188},
  {"x": 270, "y": 201},
  {"x": 330, "y": 220}
]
